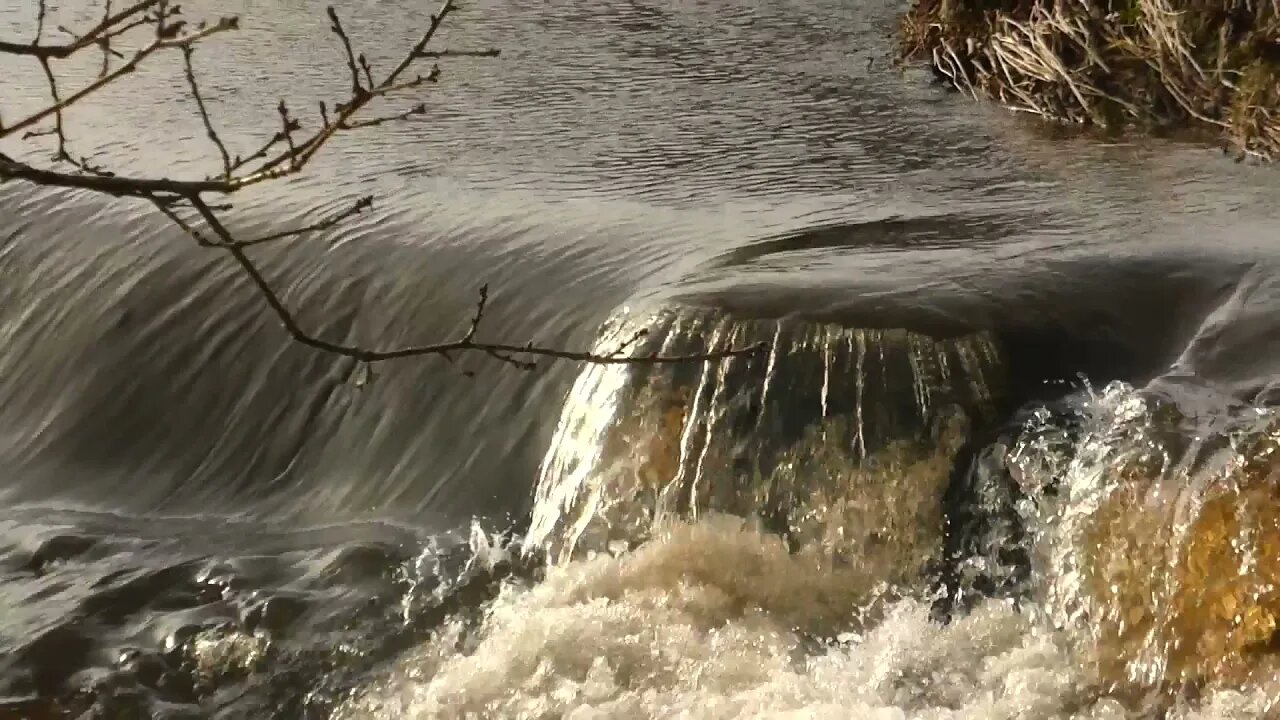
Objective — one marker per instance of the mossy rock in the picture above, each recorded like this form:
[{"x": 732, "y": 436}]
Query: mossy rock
[
  {"x": 1182, "y": 573},
  {"x": 831, "y": 414}
]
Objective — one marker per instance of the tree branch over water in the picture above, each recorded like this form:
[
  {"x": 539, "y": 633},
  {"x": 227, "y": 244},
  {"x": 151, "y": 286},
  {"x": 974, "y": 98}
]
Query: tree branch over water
[{"x": 288, "y": 151}]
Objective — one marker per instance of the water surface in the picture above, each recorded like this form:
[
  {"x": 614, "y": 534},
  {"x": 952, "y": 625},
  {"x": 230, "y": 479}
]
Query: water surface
[{"x": 203, "y": 519}]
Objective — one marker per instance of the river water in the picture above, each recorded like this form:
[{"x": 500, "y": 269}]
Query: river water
[{"x": 1011, "y": 453}]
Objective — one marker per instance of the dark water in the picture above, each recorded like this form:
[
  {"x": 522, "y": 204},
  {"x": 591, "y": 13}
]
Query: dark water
[{"x": 202, "y": 519}]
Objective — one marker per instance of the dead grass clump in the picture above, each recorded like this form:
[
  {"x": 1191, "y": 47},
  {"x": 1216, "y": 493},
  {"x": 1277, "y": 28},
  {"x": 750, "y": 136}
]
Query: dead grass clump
[{"x": 1151, "y": 64}]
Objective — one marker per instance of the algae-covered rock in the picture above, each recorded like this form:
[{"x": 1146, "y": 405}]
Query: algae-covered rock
[
  {"x": 1162, "y": 550},
  {"x": 1157, "y": 64},
  {"x": 840, "y": 438},
  {"x": 1192, "y": 605}
]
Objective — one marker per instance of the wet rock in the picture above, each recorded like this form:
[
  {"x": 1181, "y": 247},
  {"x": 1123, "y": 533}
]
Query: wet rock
[
  {"x": 788, "y": 437},
  {"x": 1187, "y": 580},
  {"x": 274, "y": 614},
  {"x": 144, "y": 667},
  {"x": 1160, "y": 550},
  {"x": 59, "y": 548},
  {"x": 45, "y": 665}
]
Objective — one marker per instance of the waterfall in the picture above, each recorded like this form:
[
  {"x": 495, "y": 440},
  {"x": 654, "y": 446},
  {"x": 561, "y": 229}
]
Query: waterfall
[{"x": 840, "y": 439}]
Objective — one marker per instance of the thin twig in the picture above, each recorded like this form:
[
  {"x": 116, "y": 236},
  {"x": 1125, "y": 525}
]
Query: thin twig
[
  {"x": 228, "y": 23},
  {"x": 40, "y": 15},
  {"x": 475, "y": 320},
  {"x": 167, "y": 206},
  {"x": 162, "y": 29},
  {"x": 368, "y": 71},
  {"x": 187, "y": 52},
  {"x": 105, "y": 42},
  {"x": 107, "y": 27},
  {"x": 240, "y": 162},
  {"x": 636, "y": 337},
  {"x": 336, "y": 27},
  {"x": 286, "y": 128},
  {"x": 416, "y": 110},
  {"x": 488, "y": 52},
  {"x": 57, "y": 103},
  {"x": 358, "y": 207}
]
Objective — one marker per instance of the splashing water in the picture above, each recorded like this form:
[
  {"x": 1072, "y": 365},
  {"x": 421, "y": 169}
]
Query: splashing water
[
  {"x": 1158, "y": 543},
  {"x": 753, "y": 541},
  {"x": 718, "y": 620}
]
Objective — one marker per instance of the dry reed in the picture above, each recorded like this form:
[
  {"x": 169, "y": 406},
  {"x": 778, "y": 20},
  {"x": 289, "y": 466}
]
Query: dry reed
[{"x": 1150, "y": 64}]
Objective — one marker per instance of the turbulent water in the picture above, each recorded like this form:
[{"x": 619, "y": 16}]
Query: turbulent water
[{"x": 1011, "y": 453}]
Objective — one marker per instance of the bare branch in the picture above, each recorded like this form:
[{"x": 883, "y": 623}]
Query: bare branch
[
  {"x": 279, "y": 137},
  {"x": 635, "y": 338},
  {"x": 360, "y": 96},
  {"x": 105, "y": 42},
  {"x": 40, "y": 15},
  {"x": 39, "y": 133},
  {"x": 388, "y": 88},
  {"x": 172, "y": 197},
  {"x": 360, "y": 206},
  {"x": 168, "y": 206},
  {"x": 287, "y": 126},
  {"x": 336, "y": 27},
  {"x": 497, "y": 350},
  {"x": 526, "y": 365},
  {"x": 368, "y": 71},
  {"x": 489, "y": 52},
  {"x": 227, "y": 23},
  {"x": 445, "y": 8},
  {"x": 103, "y": 30},
  {"x": 282, "y": 165},
  {"x": 187, "y": 52},
  {"x": 475, "y": 320},
  {"x": 57, "y": 103},
  {"x": 419, "y": 109},
  {"x": 120, "y": 186}
]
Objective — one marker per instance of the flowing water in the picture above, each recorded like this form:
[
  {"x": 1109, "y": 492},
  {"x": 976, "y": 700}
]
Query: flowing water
[{"x": 1012, "y": 452}]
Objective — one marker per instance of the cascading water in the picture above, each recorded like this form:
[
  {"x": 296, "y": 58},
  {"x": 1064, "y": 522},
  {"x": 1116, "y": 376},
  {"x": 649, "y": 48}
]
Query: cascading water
[
  {"x": 758, "y": 537},
  {"x": 1157, "y": 540},
  {"x": 842, "y": 440},
  {"x": 746, "y": 539},
  {"x": 203, "y": 519}
]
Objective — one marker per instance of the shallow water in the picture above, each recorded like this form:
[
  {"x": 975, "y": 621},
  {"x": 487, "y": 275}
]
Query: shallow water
[{"x": 205, "y": 520}]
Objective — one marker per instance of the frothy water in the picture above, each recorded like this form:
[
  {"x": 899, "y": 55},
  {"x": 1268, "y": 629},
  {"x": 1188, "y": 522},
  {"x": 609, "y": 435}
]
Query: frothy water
[
  {"x": 1151, "y": 593},
  {"x": 718, "y": 620}
]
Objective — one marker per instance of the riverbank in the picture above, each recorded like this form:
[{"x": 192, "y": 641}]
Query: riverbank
[{"x": 1155, "y": 65}]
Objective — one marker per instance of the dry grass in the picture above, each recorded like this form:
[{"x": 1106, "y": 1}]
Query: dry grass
[{"x": 1151, "y": 64}]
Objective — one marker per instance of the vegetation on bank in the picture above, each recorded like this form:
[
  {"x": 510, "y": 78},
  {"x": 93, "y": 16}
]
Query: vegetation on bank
[{"x": 1152, "y": 64}]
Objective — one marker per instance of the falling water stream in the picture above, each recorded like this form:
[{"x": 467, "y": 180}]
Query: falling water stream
[
  {"x": 830, "y": 421},
  {"x": 716, "y": 553},
  {"x": 1012, "y": 452}
]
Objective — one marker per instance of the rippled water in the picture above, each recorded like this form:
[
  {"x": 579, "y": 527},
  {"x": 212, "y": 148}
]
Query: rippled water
[{"x": 919, "y": 505}]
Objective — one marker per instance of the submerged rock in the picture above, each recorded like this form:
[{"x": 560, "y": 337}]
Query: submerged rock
[
  {"x": 1194, "y": 574},
  {"x": 842, "y": 440},
  {"x": 1157, "y": 64},
  {"x": 1160, "y": 547}
]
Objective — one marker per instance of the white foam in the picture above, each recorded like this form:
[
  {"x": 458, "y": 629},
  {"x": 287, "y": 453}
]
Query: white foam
[
  {"x": 217, "y": 653},
  {"x": 710, "y": 621}
]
